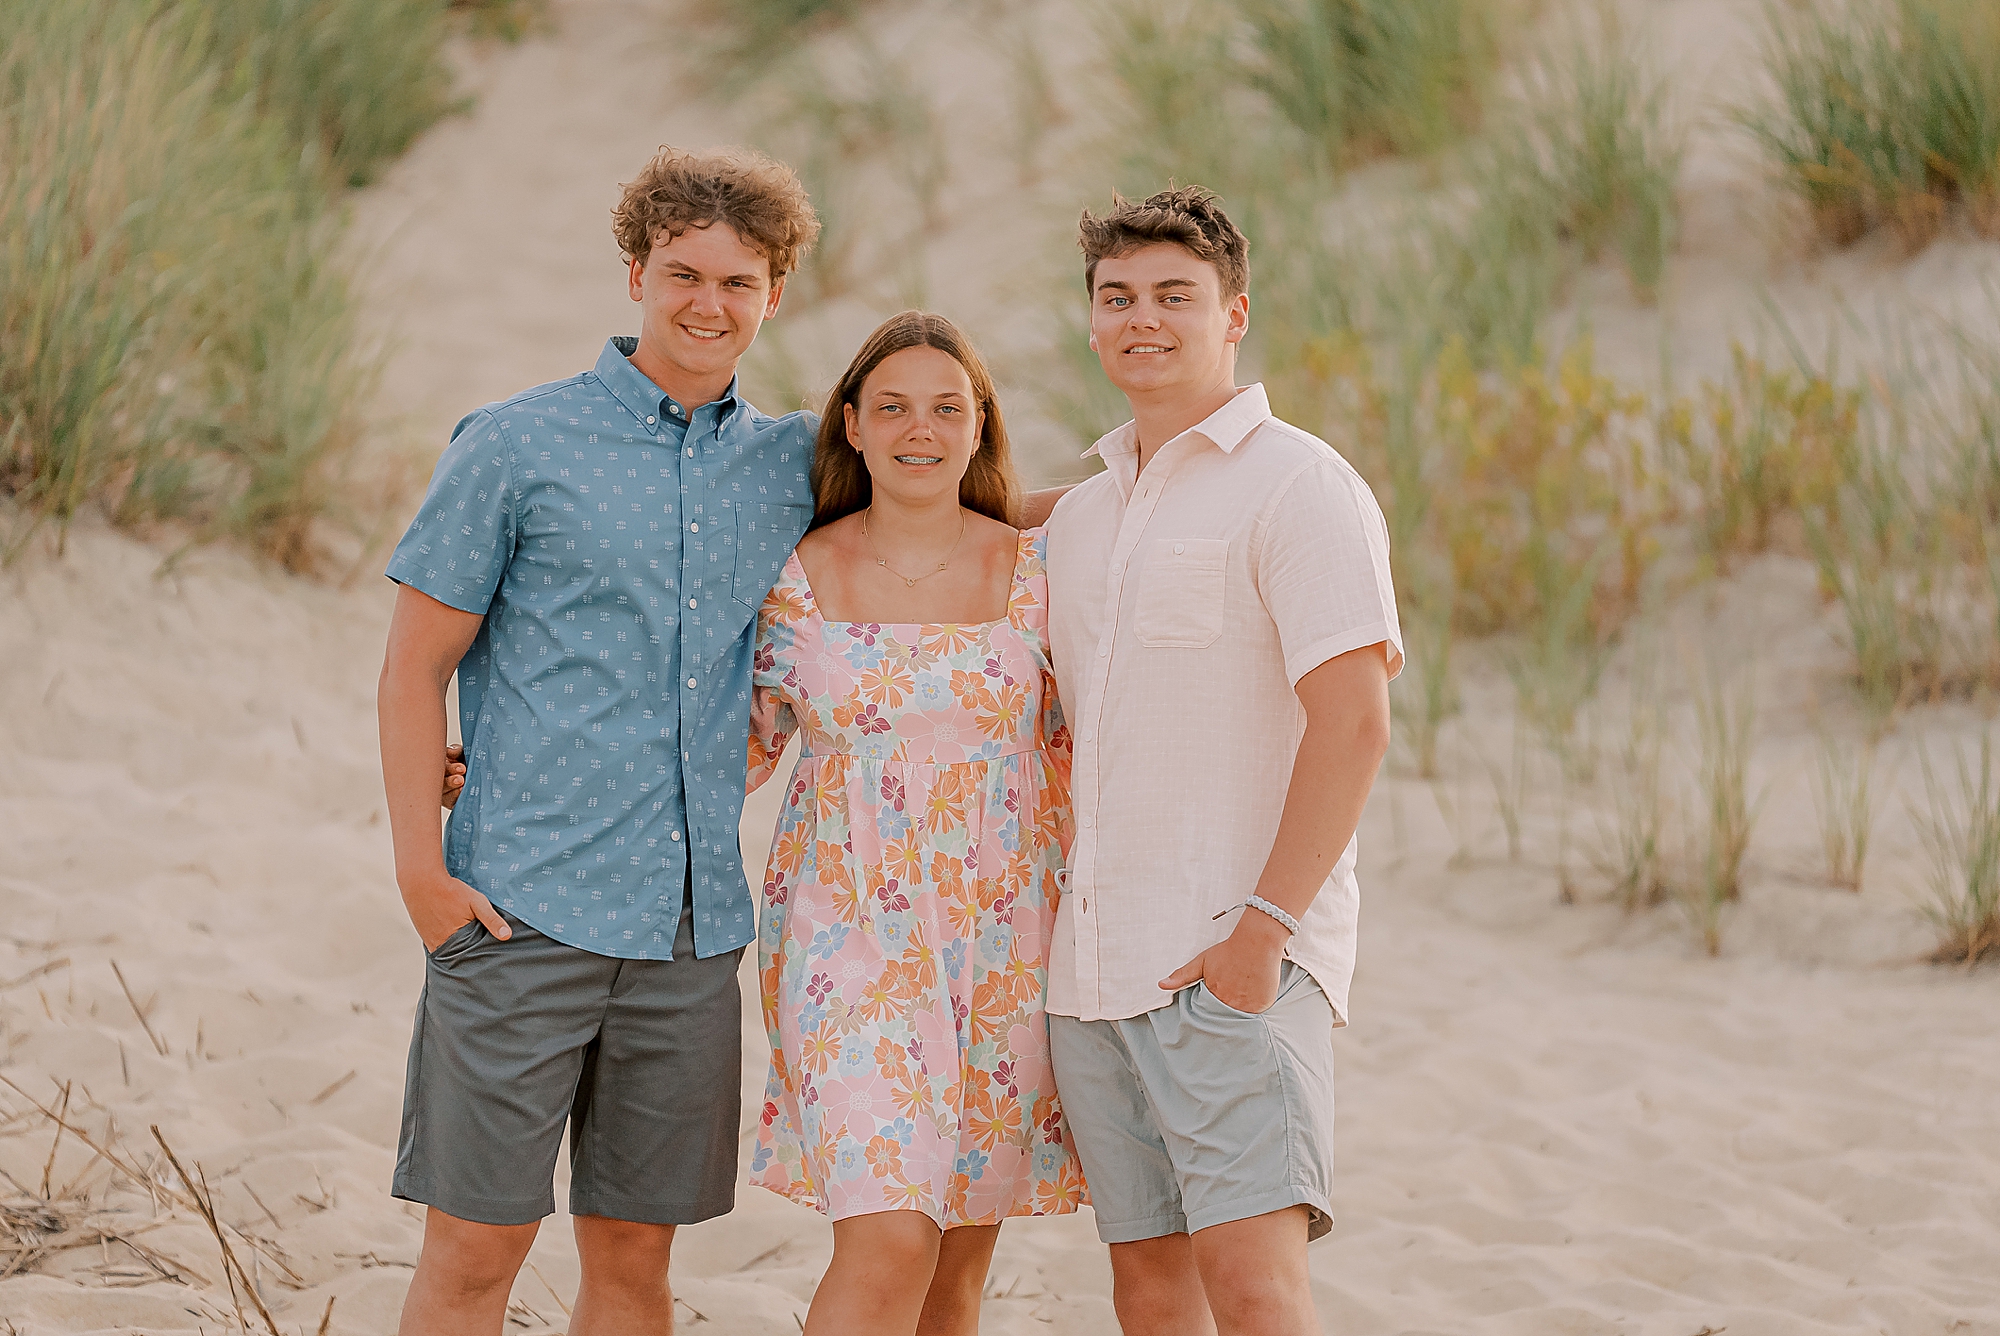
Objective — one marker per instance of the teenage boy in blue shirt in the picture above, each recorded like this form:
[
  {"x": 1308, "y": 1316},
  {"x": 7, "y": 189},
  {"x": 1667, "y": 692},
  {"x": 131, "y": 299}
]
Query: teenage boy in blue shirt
[{"x": 589, "y": 561}]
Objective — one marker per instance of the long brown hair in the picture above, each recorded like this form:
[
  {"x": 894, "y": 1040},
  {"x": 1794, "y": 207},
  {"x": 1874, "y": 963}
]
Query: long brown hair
[{"x": 841, "y": 485}]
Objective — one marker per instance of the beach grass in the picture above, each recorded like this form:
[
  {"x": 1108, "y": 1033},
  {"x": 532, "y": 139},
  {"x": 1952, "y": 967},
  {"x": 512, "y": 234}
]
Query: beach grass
[
  {"x": 1633, "y": 835},
  {"x": 1363, "y": 78},
  {"x": 1725, "y": 722},
  {"x": 1842, "y": 804},
  {"x": 1960, "y": 828},
  {"x": 175, "y": 339},
  {"x": 1885, "y": 113},
  {"x": 353, "y": 81},
  {"x": 1600, "y": 147}
]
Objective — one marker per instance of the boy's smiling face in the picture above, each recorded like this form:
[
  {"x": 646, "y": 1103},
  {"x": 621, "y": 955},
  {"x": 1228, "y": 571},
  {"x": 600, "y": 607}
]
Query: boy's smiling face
[
  {"x": 1160, "y": 324},
  {"x": 704, "y": 293}
]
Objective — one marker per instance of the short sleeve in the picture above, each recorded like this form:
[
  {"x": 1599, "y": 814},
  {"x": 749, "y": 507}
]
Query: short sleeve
[
  {"x": 1323, "y": 570},
  {"x": 458, "y": 546},
  {"x": 772, "y": 719}
]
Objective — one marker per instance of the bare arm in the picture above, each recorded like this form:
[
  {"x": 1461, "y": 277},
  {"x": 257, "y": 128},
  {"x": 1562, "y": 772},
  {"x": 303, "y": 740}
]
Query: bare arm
[
  {"x": 426, "y": 641},
  {"x": 1347, "y": 733},
  {"x": 1036, "y": 507}
]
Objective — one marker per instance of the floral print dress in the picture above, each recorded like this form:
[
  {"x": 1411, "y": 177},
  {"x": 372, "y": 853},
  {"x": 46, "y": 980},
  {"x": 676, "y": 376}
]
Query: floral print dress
[{"x": 908, "y": 907}]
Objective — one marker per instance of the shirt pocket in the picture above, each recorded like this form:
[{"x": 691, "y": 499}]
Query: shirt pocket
[
  {"x": 1181, "y": 592},
  {"x": 766, "y": 533}
]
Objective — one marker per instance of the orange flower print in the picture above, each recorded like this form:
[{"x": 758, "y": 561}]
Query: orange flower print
[
  {"x": 789, "y": 852},
  {"x": 993, "y": 1006},
  {"x": 969, "y": 687},
  {"x": 904, "y": 859},
  {"x": 942, "y": 642},
  {"x": 818, "y": 1050},
  {"x": 1064, "y": 1192},
  {"x": 992, "y": 1121},
  {"x": 885, "y": 1156},
  {"x": 887, "y": 684}
]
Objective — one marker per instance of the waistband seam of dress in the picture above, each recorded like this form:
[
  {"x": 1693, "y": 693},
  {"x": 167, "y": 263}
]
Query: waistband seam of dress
[{"x": 971, "y": 760}]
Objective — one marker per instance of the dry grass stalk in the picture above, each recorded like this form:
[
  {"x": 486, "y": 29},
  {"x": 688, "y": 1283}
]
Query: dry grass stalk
[
  {"x": 1841, "y": 799},
  {"x": 159, "y": 1044},
  {"x": 232, "y": 1269}
]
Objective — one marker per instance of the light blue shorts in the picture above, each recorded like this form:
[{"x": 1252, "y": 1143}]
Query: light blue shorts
[{"x": 1197, "y": 1114}]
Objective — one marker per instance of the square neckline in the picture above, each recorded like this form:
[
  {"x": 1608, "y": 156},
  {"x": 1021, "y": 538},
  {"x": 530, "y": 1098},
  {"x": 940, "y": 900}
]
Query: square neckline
[{"x": 1023, "y": 541}]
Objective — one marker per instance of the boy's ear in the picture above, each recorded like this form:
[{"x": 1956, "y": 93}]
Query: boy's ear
[
  {"x": 771, "y": 302},
  {"x": 636, "y": 277},
  {"x": 1239, "y": 318}
]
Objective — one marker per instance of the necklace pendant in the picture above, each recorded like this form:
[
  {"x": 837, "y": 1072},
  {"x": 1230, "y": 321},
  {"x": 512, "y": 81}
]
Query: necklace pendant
[{"x": 909, "y": 582}]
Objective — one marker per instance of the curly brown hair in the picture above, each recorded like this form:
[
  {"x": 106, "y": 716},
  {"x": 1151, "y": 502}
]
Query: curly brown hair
[
  {"x": 1186, "y": 216},
  {"x": 761, "y": 199},
  {"x": 841, "y": 484}
]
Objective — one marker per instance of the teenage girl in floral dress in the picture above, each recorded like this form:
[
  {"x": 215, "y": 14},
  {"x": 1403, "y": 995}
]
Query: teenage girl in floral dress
[{"x": 913, "y": 880}]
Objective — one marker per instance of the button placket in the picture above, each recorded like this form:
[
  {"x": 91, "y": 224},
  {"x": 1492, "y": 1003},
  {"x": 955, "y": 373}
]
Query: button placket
[{"x": 1138, "y": 508}]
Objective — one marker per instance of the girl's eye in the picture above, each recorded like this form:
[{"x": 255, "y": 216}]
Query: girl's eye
[{"x": 947, "y": 408}]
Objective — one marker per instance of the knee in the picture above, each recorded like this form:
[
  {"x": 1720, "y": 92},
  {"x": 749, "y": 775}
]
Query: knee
[
  {"x": 623, "y": 1254},
  {"x": 1155, "y": 1279},
  {"x": 468, "y": 1259}
]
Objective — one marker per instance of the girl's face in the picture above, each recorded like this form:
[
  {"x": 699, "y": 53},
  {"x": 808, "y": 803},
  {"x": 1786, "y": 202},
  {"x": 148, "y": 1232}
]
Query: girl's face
[{"x": 916, "y": 424}]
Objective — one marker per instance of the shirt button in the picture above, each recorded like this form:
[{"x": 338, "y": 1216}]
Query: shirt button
[
  {"x": 675, "y": 837},
  {"x": 1089, "y": 736},
  {"x": 692, "y": 682},
  {"x": 1179, "y": 548},
  {"x": 675, "y": 409},
  {"x": 690, "y": 452},
  {"x": 690, "y": 603},
  {"x": 1089, "y": 821},
  {"x": 694, "y": 528},
  {"x": 1102, "y": 651},
  {"x": 650, "y": 419}
]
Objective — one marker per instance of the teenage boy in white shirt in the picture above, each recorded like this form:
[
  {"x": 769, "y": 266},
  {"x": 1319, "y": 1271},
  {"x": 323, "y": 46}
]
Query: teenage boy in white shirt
[{"x": 1224, "y": 631}]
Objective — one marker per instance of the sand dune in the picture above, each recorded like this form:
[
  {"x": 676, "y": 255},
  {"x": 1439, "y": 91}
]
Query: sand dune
[{"x": 1554, "y": 1119}]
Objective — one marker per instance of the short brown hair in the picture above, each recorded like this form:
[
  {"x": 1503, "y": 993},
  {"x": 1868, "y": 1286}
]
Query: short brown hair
[
  {"x": 1186, "y": 216},
  {"x": 762, "y": 200},
  {"x": 841, "y": 484}
]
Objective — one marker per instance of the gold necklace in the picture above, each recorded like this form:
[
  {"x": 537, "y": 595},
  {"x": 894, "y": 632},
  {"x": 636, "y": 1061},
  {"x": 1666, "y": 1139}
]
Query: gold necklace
[{"x": 911, "y": 580}]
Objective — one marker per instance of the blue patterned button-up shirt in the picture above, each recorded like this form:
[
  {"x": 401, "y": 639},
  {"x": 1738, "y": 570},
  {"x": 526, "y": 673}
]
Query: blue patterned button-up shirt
[{"x": 618, "y": 547}]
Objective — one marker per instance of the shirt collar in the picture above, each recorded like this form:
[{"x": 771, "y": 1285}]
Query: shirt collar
[
  {"x": 1226, "y": 428},
  {"x": 641, "y": 397}
]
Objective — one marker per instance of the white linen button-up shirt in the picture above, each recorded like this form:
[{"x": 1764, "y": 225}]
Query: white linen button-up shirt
[{"x": 1185, "y": 603}]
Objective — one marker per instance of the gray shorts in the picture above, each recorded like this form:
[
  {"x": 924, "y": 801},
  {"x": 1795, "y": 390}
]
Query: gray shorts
[
  {"x": 1197, "y": 1114},
  {"x": 642, "y": 1058}
]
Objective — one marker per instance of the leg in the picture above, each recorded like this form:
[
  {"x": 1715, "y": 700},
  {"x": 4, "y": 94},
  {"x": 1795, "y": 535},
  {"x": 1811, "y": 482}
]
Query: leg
[
  {"x": 1254, "y": 1273},
  {"x": 1156, "y": 1289},
  {"x": 881, "y": 1269},
  {"x": 464, "y": 1275},
  {"x": 499, "y": 1039},
  {"x": 951, "y": 1308},
  {"x": 624, "y": 1290}
]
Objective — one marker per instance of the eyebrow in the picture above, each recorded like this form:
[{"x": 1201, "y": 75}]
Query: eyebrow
[
  {"x": 1119, "y": 285},
  {"x": 904, "y": 394},
  {"x": 673, "y": 263}
]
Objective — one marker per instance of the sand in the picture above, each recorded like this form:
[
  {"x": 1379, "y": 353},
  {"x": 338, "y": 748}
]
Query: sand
[{"x": 1554, "y": 1118}]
